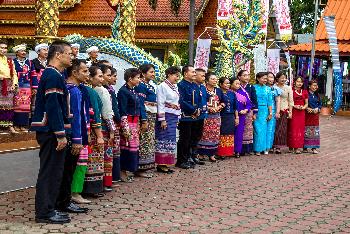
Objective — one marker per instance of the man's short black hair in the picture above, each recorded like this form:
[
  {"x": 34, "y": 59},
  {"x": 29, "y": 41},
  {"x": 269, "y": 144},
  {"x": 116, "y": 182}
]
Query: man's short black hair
[
  {"x": 56, "y": 47},
  {"x": 185, "y": 69},
  {"x": 76, "y": 63},
  {"x": 200, "y": 70}
]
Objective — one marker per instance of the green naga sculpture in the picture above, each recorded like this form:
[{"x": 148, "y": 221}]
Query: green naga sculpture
[{"x": 239, "y": 34}]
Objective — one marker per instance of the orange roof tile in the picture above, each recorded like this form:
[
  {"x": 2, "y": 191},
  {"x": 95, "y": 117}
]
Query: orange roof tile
[
  {"x": 341, "y": 9},
  {"x": 18, "y": 2},
  {"x": 322, "y": 48},
  {"x": 100, "y": 11},
  {"x": 90, "y": 11}
]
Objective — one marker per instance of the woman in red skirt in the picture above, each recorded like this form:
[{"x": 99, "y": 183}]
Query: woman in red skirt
[
  {"x": 312, "y": 121},
  {"x": 296, "y": 125}
]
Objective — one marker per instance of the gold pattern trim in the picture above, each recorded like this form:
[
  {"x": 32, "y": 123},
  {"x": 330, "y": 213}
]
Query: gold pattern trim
[
  {"x": 201, "y": 10},
  {"x": 17, "y": 37},
  {"x": 28, "y": 22},
  {"x": 162, "y": 24},
  {"x": 101, "y": 24},
  {"x": 63, "y": 7},
  {"x": 80, "y": 23}
]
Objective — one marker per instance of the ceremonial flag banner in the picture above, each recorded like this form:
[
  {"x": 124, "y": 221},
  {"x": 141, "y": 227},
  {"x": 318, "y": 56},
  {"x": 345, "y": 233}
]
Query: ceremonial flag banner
[
  {"x": 333, "y": 45},
  {"x": 224, "y": 9},
  {"x": 202, "y": 54},
  {"x": 260, "y": 60},
  {"x": 283, "y": 19},
  {"x": 273, "y": 60}
]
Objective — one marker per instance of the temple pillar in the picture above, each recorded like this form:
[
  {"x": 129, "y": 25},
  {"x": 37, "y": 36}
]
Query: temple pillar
[
  {"x": 128, "y": 21},
  {"x": 47, "y": 20}
]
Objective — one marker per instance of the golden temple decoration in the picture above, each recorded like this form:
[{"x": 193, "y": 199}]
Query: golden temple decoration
[
  {"x": 128, "y": 21},
  {"x": 47, "y": 19}
]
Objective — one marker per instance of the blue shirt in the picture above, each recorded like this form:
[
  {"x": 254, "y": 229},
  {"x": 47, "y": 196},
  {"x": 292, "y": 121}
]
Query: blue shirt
[
  {"x": 52, "y": 113},
  {"x": 263, "y": 94},
  {"x": 75, "y": 108},
  {"x": 26, "y": 74},
  {"x": 130, "y": 103},
  {"x": 190, "y": 99},
  {"x": 314, "y": 101},
  {"x": 148, "y": 96},
  {"x": 230, "y": 100},
  {"x": 204, "y": 100},
  {"x": 275, "y": 92}
]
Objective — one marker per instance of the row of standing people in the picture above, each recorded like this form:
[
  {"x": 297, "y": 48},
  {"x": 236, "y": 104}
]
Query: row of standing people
[
  {"x": 91, "y": 137},
  {"x": 19, "y": 79}
]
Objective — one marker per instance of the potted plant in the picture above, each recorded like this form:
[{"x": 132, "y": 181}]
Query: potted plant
[{"x": 326, "y": 106}]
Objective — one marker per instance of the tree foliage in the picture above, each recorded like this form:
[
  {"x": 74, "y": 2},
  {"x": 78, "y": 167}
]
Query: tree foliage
[{"x": 302, "y": 14}]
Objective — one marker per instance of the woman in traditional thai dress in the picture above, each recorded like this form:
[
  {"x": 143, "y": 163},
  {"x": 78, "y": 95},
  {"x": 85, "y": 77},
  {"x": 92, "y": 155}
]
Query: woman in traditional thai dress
[
  {"x": 264, "y": 98},
  {"x": 276, "y": 99},
  {"x": 229, "y": 119},
  {"x": 26, "y": 77},
  {"x": 209, "y": 142},
  {"x": 168, "y": 116},
  {"x": 147, "y": 93},
  {"x": 8, "y": 87},
  {"x": 296, "y": 125},
  {"x": 108, "y": 127},
  {"x": 286, "y": 108},
  {"x": 312, "y": 119},
  {"x": 93, "y": 185},
  {"x": 247, "y": 145},
  {"x": 116, "y": 118},
  {"x": 130, "y": 110},
  {"x": 243, "y": 107}
]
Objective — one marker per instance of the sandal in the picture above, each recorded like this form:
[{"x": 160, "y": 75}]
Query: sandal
[
  {"x": 314, "y": 151},
  {"x": 297, "y": 151},
  {"x": 144, "y": 175},
  {"x": 212, "y": 159},
  {"x": 278, "y": 151},
  {"x": 162, "y": 169},
  {"x": 170, "y": 171}
]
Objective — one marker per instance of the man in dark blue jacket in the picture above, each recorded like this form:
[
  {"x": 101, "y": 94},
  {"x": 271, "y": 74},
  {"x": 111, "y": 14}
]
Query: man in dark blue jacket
[
  {"x": 199, "y": 123},
  {"x": 51, "y": 121},
  {"x": 190, "y": 104}
]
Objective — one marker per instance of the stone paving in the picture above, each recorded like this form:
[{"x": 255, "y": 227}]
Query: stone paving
[{"x": 267, "y": 194}]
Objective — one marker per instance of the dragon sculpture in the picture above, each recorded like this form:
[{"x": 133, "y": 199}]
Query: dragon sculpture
[
  {"x": 130, "y": 53},
  {"x": 239, "y": 34}
]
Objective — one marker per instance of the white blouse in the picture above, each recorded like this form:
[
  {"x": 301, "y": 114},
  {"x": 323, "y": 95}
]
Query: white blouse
[
  {"x": 107, "y": 111},
  {"x": 167, "y": 100}
]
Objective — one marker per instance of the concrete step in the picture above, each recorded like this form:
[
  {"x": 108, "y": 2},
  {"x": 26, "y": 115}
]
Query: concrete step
[{"x": 17, "y": 142}]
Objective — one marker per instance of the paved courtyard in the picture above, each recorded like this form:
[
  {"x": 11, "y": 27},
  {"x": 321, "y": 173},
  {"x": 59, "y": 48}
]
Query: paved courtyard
[{"x": 274, "y": 193}]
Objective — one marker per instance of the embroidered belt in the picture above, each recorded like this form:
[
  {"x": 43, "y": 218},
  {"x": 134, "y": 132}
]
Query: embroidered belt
[
  {"x": 172, "y": 106},
  {"x": 150, "y": 103}
]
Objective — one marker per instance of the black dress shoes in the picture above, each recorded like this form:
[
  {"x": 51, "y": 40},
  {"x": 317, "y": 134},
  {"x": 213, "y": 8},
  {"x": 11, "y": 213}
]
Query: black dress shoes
[
  {"x": 184, "y": 166},
  {"x": 56, "y": 219},
  {"x": 73, "y": 208},
  {"x": 63, "y": 214},
  {"x": 198, "y": 162}
]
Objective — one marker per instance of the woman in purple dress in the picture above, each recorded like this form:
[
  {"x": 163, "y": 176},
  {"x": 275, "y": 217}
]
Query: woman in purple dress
[{"x": 244, "y": 106}]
